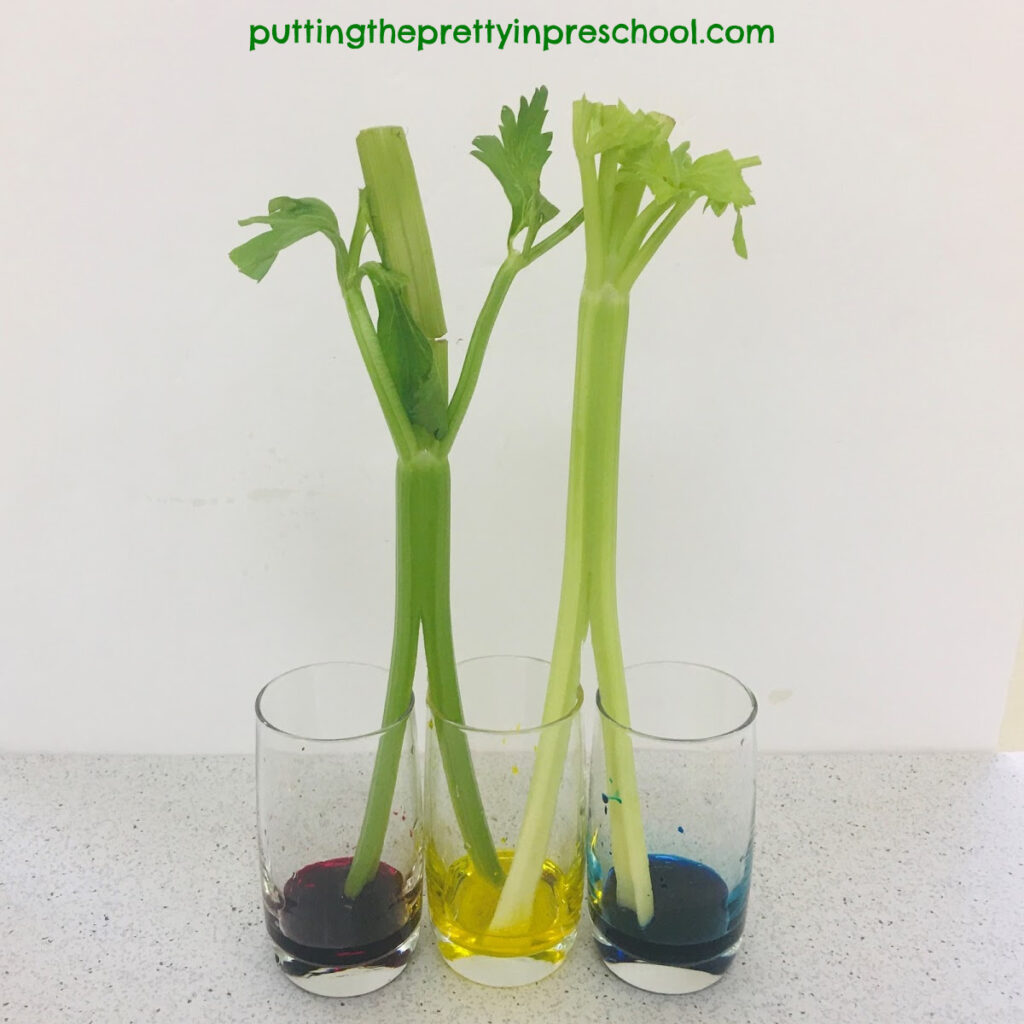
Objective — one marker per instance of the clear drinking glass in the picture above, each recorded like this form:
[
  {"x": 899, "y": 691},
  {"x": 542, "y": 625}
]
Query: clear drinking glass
[
  {"x": 317, "y": 737},
  {"x": 503, "y": 701},
  {"x": 691, "y": 734}
]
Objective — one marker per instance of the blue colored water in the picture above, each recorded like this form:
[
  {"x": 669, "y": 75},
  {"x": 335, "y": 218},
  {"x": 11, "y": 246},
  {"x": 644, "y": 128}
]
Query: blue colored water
[{"x": 696, "y": 919}]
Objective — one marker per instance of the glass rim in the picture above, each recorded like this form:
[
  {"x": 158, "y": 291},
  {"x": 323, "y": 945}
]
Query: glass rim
[
  {"x": 525, "y": 731},
  {"x": 748, "y": 721},
  {"x": 263, "y": 720}
]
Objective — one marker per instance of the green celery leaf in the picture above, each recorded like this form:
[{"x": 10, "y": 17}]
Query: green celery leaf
[
  {"x": 598, "y": 127},
  {"x": 289, "y": 220},
  {"x": 655, "y": 167},
  {"x": 739, "y": 243},
  {"x": 681, "y": 156},
  {"x": 407, "y": 352},
  {"x": 719, "y": 177},
  {"x": 516, "y": 160}
]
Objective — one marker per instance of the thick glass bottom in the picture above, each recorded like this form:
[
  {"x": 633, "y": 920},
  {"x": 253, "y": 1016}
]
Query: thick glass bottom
[
  {"x": 667, "y": 979},
  {"x": 504, "y": 971},
  {"x": 355, "y": 980},
  {"x": 692, "y": 938}
]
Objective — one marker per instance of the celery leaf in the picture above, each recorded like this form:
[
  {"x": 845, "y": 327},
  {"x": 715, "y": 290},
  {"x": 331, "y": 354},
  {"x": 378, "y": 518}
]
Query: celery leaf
[
  {"x": 516, "y": 160},
  {"x": 407, "y": 352},
  {"x": 739, "y": 243},
  {"x": 719, "y": 177},
  {"x": 290, "y": 220},
  {"x": 599, "y": 127}
]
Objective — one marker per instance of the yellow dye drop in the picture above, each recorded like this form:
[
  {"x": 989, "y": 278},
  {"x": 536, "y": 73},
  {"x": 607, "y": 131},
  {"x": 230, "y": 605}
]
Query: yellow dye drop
[{"x": 462, "y": 904}]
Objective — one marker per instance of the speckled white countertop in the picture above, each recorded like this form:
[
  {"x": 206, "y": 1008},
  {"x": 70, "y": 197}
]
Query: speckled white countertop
[{"x": 886, "y": 888}]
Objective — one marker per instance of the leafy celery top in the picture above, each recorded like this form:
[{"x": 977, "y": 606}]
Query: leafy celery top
[{"x": 636, "y": 188}]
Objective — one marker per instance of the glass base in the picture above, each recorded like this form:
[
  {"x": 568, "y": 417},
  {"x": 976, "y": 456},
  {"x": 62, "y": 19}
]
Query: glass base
[
  {"x": 504, "y": 971},
  {"x": 665, "y": 979},
  {"x": 352, "y": 980}
]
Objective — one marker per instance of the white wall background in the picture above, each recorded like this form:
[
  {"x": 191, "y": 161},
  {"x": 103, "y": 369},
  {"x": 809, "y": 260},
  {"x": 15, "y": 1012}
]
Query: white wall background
[{"x": 822, "y": 476}]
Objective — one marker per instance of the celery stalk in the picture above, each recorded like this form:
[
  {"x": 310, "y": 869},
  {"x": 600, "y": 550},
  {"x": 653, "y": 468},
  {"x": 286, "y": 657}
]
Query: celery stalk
[
  {"x": 422, "y": 600},
  {"x": 396, "y": 220},
  {"x": 405, "y": 356},
  {"x": 399, "y": 224},
  {"x": 623, "y": 156},
  {"x": 399, "y": 227}
]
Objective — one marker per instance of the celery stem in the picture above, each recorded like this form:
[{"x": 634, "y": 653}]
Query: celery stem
[
  {"x": 554, "y": 238},
  {"x": 589, "y": 541},
  {"x": 470, "y": 373},
  {"x": 506, "y": 273},
  {"x": 432, "y": 560},
  {"x": 604, "y": 430},
  {"x": 637, "y": 232},
  {"x": 422, "y": 595},
  {"x": 633, "y": 268},
  {"x": 377, "y": 813},
  {"x": 373, "y": 358}
]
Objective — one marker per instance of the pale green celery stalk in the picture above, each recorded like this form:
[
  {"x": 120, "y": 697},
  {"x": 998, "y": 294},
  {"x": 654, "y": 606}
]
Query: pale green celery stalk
[
  {"x": 405, "y": 356},
  {"x": 623, "y": 156}
]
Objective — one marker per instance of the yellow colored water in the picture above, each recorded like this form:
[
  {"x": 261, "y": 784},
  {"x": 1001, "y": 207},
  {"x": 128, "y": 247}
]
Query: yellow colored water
[{"x": 462, "y": 904}]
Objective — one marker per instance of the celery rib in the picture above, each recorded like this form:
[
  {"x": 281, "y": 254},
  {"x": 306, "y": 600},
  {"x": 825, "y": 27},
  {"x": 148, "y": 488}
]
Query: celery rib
[
  {"x": 399, "y": 692},
  {"x": 621, "y": 154},
  {"x": 433, "y": 534},
  {"x": 393, "y": 211}
]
